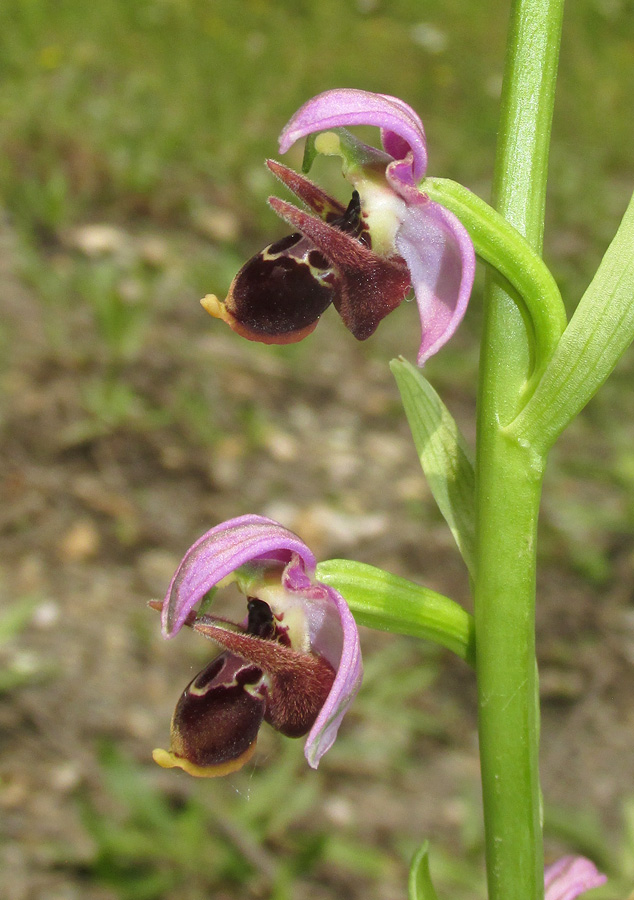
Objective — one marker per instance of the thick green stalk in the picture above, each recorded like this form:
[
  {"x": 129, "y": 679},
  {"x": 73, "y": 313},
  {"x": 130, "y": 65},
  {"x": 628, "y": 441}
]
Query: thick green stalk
[{"x": 508, "y": 479}]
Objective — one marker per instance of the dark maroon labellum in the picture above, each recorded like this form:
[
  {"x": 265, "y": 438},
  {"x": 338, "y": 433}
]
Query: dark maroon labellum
[
  {"x": 219, "y": 714},
  {"x": 279, "y": 295},
  {"x": 280, "y": 291},
  {"x": 285, "y": 288},
  {"x": 297, "y": 695}
]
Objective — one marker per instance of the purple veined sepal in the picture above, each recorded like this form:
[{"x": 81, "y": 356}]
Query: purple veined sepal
[
  {"x": 442, "y": 281},
  {"x": 294, "y": 662},
  {"x": 363, "y": 259},
  {"x": 402, "y": 130}
]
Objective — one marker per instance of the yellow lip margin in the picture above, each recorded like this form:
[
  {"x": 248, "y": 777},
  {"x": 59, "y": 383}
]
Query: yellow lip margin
[{"x": 168, "y": 760}]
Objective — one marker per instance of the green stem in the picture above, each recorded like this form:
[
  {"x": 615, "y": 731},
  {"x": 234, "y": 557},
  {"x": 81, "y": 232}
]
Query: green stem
[{"x": 508, "y": 479}]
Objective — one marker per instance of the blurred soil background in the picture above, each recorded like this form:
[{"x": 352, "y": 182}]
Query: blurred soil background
[{"x": 132, "y": 140}]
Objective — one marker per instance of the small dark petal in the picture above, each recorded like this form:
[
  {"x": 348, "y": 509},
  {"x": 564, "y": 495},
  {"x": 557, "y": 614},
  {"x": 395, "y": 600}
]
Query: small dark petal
[
  {"x": 297, "y": 695},
  {"x": 216, "y": 719},
  {"x": 312, "y": 195}
]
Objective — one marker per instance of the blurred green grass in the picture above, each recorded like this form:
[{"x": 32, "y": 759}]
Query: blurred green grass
[
  {"x": 154, "y": 117},
  {"x": 149, "y": 107},
  {"x": 160, "y": 112}
]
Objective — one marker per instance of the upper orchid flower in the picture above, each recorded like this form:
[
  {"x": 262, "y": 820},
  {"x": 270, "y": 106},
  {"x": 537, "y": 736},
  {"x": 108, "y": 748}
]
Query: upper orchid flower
[
  {"x": 570, "y": 877},
  {"x": 363, "y": 258},
  {"x": 294, "y": 662}
]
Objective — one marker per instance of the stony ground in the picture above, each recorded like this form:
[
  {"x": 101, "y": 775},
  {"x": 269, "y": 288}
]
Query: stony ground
[{"x": 95, "y": 516}]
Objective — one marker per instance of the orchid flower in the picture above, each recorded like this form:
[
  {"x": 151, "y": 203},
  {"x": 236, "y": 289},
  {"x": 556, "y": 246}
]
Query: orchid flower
[
  {"x": 570, "y": 877},
  {"x": 294, "y": 662},
  {"x": 364, "y": 258}
]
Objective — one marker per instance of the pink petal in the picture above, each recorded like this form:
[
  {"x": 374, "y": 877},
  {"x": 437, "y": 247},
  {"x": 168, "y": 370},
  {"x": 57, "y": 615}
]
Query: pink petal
[
  {"x": 401, "y": 129},
  {"x": 221, "y": 551},
  {"x": 441, "y": 261},
  {"x": 333, "y": 635},
  {"x": 344, "y": 689},
  {"x": 571, "y": 876}
]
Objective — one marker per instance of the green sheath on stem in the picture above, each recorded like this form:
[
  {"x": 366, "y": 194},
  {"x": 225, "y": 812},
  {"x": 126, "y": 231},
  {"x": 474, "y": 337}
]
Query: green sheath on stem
[
  {"x": 503, "y": 248},
  {"x": 391, "y": 603}
]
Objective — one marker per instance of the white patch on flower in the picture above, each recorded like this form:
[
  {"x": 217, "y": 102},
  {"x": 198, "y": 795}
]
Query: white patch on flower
[
  {"x": 383, "y": 213},
  {"x": 289, "y": 610}
]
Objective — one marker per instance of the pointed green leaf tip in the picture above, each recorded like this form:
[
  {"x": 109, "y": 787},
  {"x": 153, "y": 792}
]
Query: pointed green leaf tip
[
  {"x": 600, "y": 330},
  {"x": 443, "y": 453},
  {"x": 419, "y": 886}
]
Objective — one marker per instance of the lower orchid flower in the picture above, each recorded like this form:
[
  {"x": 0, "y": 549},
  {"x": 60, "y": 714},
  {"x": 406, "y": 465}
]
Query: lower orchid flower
[
  {"x": 365, "y": 257},
  {"x": 570, "y": 877},
  {"x": 294, "y": 662}
]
